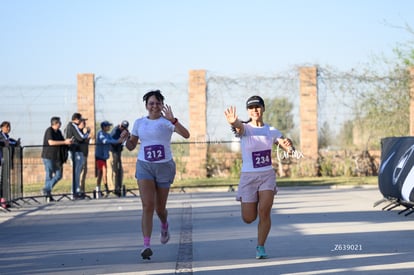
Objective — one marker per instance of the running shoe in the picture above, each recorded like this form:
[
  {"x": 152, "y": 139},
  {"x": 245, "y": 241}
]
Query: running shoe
[
  {"x": 165, "y": 236},
  {"x": 260, "y": 252},
  {"x": 146, "y": 253}
]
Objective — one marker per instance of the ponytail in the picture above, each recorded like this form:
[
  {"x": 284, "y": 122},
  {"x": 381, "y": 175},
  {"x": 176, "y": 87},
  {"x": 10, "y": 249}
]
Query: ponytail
[{"x": 233, "y": 129}]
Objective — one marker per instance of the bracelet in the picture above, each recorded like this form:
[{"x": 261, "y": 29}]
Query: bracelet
[{"x": 175, "y": 121}]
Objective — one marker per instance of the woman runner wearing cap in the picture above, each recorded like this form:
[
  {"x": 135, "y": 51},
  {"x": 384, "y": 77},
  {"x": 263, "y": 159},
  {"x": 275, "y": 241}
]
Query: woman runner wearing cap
[
  {"x": 257, "y": 186},
  {"x": 155, "y": 167}
]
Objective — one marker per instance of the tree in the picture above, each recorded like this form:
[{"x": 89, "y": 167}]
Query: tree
[
  {"x": 278, "y": 113},
  {"x": 345, "y": 137},
  {"x": 379, "y": 98},
  {"x": 384, "y": 110},
  {"x": 325, "y": 137}
]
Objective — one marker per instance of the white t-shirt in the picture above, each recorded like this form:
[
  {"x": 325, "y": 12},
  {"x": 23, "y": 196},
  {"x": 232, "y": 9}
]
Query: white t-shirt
[
  {"x": 155, "y": 136},
  {"x": 257, "y": 144}
]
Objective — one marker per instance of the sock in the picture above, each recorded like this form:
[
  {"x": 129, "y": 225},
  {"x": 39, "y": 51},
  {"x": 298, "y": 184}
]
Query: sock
[
  {"x": 147, "y": 241},
  {"x": 164, "y": 226}
]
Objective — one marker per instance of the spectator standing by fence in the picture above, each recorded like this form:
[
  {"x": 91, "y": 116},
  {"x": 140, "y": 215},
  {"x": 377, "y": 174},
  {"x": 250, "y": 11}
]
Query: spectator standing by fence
[
  {"x": 257, "y": 186},
  {"x": 6, "y": 158},
  {"x": 103, "y": 145},
  {"x": 73, "y": 132},
  {"x": 85, "y": 150},
  {"x": 155, "y": 167},
  {"x": 54, "y": 154},
  {"x": 3, "y": 144},
  {"x": 116, "y": 150},
  {"x": 5, "y": 140}
]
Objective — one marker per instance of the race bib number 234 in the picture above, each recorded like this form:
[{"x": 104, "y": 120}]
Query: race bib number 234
[{"x": 262, "y": 158}]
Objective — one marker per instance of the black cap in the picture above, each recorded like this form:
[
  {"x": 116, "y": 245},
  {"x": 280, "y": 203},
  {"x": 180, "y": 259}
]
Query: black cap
[
  {"x": 255, "y": 101},
  {"x": 105, "y": 124},
  {"x": 125, "y": 124}
]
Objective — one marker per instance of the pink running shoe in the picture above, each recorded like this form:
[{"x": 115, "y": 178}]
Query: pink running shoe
[{"x": 165, "y": 236}]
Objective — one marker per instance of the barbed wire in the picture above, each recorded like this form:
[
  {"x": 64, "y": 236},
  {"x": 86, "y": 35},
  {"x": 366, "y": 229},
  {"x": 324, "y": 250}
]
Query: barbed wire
[{"x": 30, "y": 107}]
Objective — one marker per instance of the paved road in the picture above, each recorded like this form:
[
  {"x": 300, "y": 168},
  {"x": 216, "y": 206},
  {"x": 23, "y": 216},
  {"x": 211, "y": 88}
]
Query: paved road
[{"x": 315, "y": 231}]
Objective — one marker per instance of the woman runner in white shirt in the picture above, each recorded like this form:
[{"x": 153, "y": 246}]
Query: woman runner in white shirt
[
  {"x": 155, "y": 167},
  {"x": 257, "y": 186}
]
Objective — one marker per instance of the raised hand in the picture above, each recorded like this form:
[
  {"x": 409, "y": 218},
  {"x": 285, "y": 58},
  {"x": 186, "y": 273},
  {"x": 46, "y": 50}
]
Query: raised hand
[
  {"x": 167, "y": 112},
  {"x": 231, "y": 115}
]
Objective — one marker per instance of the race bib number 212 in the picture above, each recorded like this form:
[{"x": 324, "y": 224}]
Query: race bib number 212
[{"x": 154, "y": 152}]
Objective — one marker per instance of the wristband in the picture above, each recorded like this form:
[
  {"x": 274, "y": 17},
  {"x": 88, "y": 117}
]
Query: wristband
[{"x": 175, "y": 121}]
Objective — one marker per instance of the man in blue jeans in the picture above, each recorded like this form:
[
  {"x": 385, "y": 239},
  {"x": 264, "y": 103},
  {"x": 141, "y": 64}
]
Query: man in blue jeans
[
  {"x": 54, "y": 154},
  {"x": 73, "y": 132}
]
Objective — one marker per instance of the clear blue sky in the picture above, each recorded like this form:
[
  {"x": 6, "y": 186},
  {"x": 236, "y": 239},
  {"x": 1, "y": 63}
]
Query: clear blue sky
[{"x": 50, "y": 41}]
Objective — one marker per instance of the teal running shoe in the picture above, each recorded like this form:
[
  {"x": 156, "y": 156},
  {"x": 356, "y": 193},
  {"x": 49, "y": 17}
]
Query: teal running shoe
[{"x": 260, "y": 252}]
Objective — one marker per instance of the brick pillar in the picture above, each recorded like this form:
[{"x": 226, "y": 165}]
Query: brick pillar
[
  {"x": 198, "y": 123},
  {"x": 411, "y": 70},
  {"x": 308, "y": 113},
  {"x": 86, "y": 106}
]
